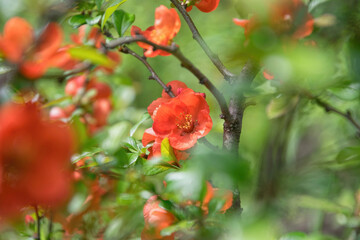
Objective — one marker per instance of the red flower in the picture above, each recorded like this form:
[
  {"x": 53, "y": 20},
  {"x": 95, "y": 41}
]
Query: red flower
[
  {"x": 155, "y": 150},
  {"x": 156, "y": 219},
  {"x": 176, "y": 88},
  {"x": 167, "y": 25},
  {"x": 34, "y": 159},
  {"x": 16, "y": 45},
  {"x": 183, "y": 119},
  {"x": 289, "y": 17},
  {"x": 205, "y": 5},
  {"x": 211, "y": 192}
]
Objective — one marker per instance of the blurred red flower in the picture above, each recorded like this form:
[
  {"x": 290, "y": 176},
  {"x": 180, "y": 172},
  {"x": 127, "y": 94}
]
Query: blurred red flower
[
  {"x": 289, "y": 17},
  {"x": 35, "y": 56},
  {"x": 167, "y": 25},
  {"x": 156, "y": 219},
  {"x": 34, "y": 159}
]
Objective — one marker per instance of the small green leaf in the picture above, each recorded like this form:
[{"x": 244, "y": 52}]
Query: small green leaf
[
  {"x": 109, "y": 11},
  {"x": 93, "y": 20},
  {"x": 167, "y": 152},
  {"x": 77, "y": 20},
  {"x": 145, "y": 117},
  {"x": 156, "y": 166},
  {"x": 122, "y": 21},
  {"x": 90, "y": 54},
  {"x": 55, "y": 102},
  {"x": 183, "y": 225}
]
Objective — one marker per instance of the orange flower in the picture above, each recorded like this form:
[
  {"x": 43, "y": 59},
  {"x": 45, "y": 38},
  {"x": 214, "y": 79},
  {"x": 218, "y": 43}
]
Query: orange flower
[
  {"x": 18, "y": 46},
  {"x": 205, "y": 5},
  {"x": 167, "y": 25},
  {"x": 183, "y": 119},
  {"x": 34, "y": 159},
  {"x": 156, "y": 219}
]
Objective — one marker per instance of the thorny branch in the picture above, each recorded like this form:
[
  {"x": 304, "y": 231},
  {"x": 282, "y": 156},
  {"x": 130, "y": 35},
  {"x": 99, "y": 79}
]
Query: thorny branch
[
  {"x": 153, "y": 76},
  {"x": 185, "y": 62}
]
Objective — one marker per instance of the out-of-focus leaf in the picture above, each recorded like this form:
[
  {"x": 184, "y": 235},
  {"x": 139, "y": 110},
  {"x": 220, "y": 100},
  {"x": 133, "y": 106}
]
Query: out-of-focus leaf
[
  {"x": 99, "y": 3},
  {"x": 167, "y": 152},
  {"x": 55, "y": 102},
  {"x": 122, "y": 21},
  {"x": 349, "y": 154},
  {"x": 80, "y": 130},
  {"x": 321, "y": 204},
  {"x": 294, "y": 236},
  {"x": 77, "y": 20},
  {"x": 281, "y": 105},
  {"x": 183, "y": 225},
  {"x": 145, "y": 117},
  {"x": 90, "y": 54},
  {"x": 91, "y": 153},
  {"x": 110, "y": 10}
]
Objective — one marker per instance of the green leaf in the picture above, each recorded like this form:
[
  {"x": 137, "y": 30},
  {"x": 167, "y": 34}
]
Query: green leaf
[
  {"x": 55, "y": 102},
  {"x": 77, "y": 20},
  {"x": 91, "y": 153},
  {"x": 109, "y": 11},
  {"x": 280, "y": 105},
  {"x": 93, "y": 20},
  {"x": 90, "y": 54},
  {"x": 122, "y": 21},
  {"x": 80, "y": 130},
  {"x": 167, "y": 152},
  {"x": 145, "y": 117},
  {"x": 156, "y": 166},
  {"x": 348, "y": 154},
  {"x": 183, "y": 225}
]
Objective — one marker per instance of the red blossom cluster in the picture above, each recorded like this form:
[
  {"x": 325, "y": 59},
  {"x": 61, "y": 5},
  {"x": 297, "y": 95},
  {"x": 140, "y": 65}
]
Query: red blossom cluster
[
  {"x": 167, "y": 25},
  {"x": 34, "y": 159},
  {"x": 182, "y": 119},
  {"x": 158, "y": 218},
  {"x": 19, "y": 45}
]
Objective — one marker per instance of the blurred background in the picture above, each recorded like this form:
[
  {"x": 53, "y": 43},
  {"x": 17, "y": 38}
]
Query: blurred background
[{"x": 298, "y": 169}]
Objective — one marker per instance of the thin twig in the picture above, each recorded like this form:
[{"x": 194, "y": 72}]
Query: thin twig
[
  {"x": 329, "y": 108},
  {"x": 185, "y": 62},
  {"x": 38, "y": 223},
  {"x": 196, "y": 35},
  {"x": 153, "y": 76}
]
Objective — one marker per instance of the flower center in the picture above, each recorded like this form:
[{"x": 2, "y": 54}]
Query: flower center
[{"x": 185, "y": 123}]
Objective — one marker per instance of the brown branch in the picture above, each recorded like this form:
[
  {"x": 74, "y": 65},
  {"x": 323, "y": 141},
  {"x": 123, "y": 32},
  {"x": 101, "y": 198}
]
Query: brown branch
[
  {"x": 153, "y": 76},
  {"x": 38, "y": 223},
  {"x": 185, "y": 62},
  {"x": 196, "y": 35},
  {"x": 237, "y": 105},
  {"x": 329, "y": 108}
]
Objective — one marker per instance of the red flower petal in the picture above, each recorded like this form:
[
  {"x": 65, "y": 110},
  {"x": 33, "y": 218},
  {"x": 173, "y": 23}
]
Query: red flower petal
[
  {"x": 207, "y": 5},
  {"x": 17, "y": 38}
]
